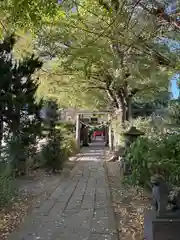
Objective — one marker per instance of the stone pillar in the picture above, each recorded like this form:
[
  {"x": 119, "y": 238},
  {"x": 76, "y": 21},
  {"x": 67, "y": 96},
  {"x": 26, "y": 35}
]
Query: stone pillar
[
  {"x": 78, "y": 131},
  {"x": 110, "y": 134}
]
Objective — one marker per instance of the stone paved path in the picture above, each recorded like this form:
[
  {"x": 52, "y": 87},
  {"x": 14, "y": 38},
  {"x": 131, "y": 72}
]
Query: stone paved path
[{"x": 78, "y": 209}]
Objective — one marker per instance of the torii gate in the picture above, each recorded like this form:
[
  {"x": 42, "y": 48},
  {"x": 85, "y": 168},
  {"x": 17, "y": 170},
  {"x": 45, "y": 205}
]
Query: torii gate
[{"x": 78, "y": 113}]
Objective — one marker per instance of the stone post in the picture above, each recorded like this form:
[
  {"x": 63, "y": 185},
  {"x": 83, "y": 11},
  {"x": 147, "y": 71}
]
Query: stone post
[{"x": 78, "y": 131}]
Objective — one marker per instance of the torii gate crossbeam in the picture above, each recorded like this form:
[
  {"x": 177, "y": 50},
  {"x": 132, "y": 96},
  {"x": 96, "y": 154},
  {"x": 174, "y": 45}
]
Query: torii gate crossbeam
[
  {"x": 94, "y": 112},
  {"x": 78, "y": 113}
]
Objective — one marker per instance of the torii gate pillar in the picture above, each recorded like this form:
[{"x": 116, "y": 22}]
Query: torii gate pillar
[
  {"x": 106, "y": 137},
  {"x": 78, "y": 131},
  {"x": 110, "y": 134}
]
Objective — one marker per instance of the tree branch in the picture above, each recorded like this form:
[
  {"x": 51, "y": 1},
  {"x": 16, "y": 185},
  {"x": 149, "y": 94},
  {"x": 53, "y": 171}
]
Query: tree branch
[
  {"x": 159, "y": 12},
  {"x": 131, "y": 14},
  {"x": 111, "y": 97},
  {"x": 96, "y": 87}
]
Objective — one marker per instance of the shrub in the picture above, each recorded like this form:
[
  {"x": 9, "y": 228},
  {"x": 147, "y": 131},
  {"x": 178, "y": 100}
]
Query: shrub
[
  {"x": 21, "y": 148},
  {"x": 22, "y": 145},
  {"x": 52, "y": 155},
  {"x": 67, "y": 126},
  {"x": 69, "y": 145},
  {"x": 68, "y": 139},
  {"x": 59, "y": 147},
  {"x": 154, "y": 154}
]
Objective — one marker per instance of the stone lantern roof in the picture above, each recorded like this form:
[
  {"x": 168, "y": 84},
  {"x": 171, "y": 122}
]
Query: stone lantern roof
[{"x": 133, "y": 131}]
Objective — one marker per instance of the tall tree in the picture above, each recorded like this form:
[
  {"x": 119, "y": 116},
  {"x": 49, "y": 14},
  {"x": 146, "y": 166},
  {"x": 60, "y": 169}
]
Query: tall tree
[
  {"x": 112, "y": 47},
  {"x": 17, "y": 87},
  {"x": 109, "y": 46}
]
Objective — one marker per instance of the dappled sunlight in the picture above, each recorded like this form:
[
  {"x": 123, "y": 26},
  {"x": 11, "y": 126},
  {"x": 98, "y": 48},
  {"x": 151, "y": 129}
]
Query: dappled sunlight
[
  {"x": 78, "y": 207},
  {"x": 94, "y": 153},
  {"x": 75, "y": 75}
]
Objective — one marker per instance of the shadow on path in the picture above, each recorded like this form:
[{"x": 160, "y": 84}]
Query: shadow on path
[{"x": 79, "y": 208}]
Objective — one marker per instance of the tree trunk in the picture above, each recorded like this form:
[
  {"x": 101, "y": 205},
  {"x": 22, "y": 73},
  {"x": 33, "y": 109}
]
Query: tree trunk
[
  {"x": 1, "y": 132},
  {"x": 129, "y": 109},
  {"x": 122, "y": 102},
  {"x": 15, "y": 125},
  {"x": 121, "y": 107}
]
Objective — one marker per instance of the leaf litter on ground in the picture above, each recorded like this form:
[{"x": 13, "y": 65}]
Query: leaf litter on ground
[
  {"x": 33, "y": 190},
  {"x": 130, "y": 204}
]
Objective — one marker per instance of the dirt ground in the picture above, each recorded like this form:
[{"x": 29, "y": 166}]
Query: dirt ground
[{"x": 129, "y": 205}]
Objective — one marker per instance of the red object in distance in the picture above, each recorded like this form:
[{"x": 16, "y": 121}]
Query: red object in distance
[{"x": 98, "y": 133}]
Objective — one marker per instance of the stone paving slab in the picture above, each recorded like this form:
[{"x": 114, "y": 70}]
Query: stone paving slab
[
  {"x": 78, "y": 208},
  {"x": 103, "y": 237}
]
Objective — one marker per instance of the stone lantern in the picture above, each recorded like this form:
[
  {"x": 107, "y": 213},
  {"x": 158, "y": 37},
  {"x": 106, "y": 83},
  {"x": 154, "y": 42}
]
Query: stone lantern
[
  {"x": 49, "y": 115},
  {"x": 131, "y": 135},
  {"x": 49, "y": 112}
]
